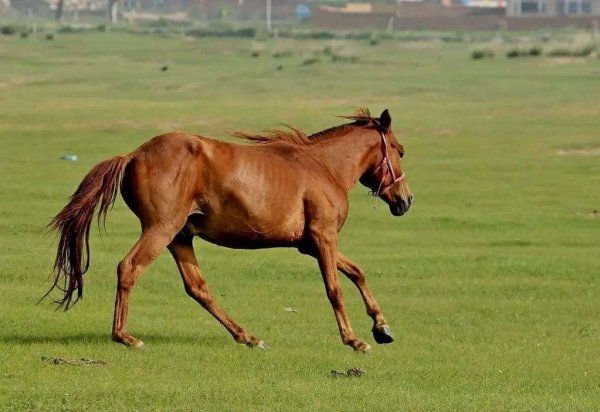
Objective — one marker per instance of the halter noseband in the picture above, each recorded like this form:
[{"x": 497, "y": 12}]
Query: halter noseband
[{"x": 390, "y": 170}]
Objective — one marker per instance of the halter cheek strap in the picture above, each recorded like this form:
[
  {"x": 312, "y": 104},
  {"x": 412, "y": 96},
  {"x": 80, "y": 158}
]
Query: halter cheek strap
[{"x": 390, "y": 170}]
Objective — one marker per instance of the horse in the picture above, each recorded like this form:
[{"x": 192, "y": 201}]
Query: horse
[{"x": 288, "y": 189}]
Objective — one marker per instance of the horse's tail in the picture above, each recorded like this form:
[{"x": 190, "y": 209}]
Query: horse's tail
[{"x": 97, "y": 191}]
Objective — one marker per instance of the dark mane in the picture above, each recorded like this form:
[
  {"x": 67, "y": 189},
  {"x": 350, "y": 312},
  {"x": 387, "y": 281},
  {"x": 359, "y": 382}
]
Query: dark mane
[{"x": 290, "y": 134}]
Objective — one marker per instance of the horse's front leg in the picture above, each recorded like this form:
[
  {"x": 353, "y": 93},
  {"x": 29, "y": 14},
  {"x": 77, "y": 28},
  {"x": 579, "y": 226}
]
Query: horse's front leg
[
  {"x": 325, "y": 248},
  {"x": 381, "y": 331}
]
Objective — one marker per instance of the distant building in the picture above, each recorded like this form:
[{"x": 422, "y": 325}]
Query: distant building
[
  {"x": 78, "y": 4},
  {"x": 351, "y": 8},
  {"x": 553, "y": 8},
  {"x": 487, "y": 15},
  {"x": 4, "y": 6},
  {"x": 485, "y": 3}
]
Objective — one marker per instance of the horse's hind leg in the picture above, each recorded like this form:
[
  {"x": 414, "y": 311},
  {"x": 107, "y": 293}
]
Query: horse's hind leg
[
  {"x": 381, "y": 331},
  {"x": 147, "y": 248},
  {"x": 182, "y": 250}
]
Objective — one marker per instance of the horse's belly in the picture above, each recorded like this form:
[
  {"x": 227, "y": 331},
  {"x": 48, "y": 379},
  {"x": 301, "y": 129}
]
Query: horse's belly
[
  {"x": 257, "y": 204},
  {"x": 244, "y": 233}
]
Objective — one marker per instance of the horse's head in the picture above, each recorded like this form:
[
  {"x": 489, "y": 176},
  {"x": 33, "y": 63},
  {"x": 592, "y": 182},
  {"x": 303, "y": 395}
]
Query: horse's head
[{"x": 386, "y": 178}]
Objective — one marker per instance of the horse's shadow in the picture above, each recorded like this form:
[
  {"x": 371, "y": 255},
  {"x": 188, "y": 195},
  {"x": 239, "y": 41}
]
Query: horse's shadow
[{"x": 95, "y": 338}]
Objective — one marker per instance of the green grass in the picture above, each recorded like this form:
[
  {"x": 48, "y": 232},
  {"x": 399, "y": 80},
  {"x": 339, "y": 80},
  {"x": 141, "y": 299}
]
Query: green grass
[{"x": 491, "y": 283}]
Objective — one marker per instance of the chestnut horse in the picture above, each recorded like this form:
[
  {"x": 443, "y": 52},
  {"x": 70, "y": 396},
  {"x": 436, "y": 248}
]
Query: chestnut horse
[{"x": 288, "y": 190}]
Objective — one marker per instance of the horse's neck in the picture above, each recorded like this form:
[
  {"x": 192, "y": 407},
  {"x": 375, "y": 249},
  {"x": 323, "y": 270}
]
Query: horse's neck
[{"x": 348, "y": 156}]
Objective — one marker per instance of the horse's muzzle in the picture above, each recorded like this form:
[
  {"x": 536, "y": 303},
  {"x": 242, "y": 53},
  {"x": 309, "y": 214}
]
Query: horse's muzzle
[{"x": 401, "y": 206}]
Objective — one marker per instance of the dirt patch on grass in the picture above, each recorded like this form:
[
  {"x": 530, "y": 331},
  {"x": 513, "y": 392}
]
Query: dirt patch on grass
[
  {"x": 22, "y": 81},
  {"x": 77, "y": 362},
  {"x": 582, "y": 151},
  {"x": 350, "y": 373},
  {"x": 559, "y": 61}
]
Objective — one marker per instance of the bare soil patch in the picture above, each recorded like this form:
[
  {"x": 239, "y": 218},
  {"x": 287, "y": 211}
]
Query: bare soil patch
[
  {"x": 584, "y": 151},
  {"x": 77, "y": 362}
]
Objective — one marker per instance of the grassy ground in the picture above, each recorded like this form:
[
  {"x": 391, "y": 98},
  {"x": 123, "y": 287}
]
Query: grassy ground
[{"x": 490, "y": 283}]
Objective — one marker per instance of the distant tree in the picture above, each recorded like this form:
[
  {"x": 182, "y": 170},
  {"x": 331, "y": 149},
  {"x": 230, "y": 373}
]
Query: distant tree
[{"x": 59, "y": 9}]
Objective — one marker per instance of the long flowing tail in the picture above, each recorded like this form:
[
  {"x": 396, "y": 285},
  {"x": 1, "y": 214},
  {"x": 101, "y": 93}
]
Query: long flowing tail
[{"x": 97, "y": 191}]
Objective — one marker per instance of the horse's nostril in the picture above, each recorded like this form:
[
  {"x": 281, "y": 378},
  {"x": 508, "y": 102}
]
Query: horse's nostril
[{"x": 410, "y": 199}]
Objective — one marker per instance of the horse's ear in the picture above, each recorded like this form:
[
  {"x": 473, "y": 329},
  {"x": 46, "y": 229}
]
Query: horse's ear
[{"x": 385, "y": 120}]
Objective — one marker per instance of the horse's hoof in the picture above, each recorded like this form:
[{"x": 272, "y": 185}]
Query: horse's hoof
[
  {"x": 137, "y": 345},
  {"x": 129, "y": 341},
  {"x": 256, "y": 343},
  {"x": 361, "y": 347},
  {"x": 382, "y": 334}
]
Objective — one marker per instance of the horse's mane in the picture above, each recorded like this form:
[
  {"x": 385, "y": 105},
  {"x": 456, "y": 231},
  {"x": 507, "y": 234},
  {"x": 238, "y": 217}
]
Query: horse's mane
[{"x": 290, "y": 134}]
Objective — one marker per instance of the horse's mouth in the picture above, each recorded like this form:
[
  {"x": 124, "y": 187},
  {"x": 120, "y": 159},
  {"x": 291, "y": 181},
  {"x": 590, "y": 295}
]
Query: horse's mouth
[
  {"x": 398, "y": 209},
  {"x": 400, "y": 206}
]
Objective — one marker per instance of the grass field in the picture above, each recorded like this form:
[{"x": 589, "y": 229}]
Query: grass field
[{"x": 491, "y": 283}]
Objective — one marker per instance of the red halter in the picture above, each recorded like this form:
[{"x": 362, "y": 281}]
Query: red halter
[{"x": 386, "y": 161}]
